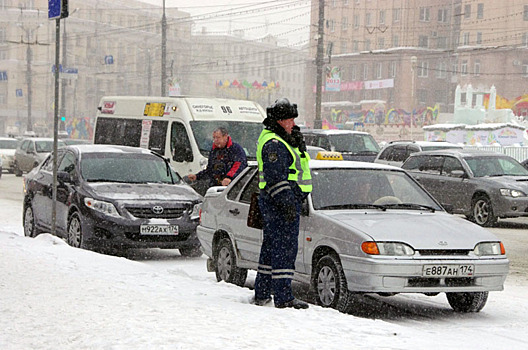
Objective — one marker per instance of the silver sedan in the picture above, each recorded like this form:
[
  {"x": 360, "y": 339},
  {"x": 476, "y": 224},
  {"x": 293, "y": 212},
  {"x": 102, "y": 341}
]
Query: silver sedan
[{"x": 366, "y": 228}]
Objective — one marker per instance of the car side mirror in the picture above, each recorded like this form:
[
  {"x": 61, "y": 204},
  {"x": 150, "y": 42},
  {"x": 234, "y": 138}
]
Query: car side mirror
[
  {"x": 448, "y": 208},
  {"x": 459, "y": 173},
  {"x": 63, "y": 177}
]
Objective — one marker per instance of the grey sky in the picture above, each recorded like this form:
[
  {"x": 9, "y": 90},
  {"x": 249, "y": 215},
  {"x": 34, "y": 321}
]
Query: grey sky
[{"x": 286, "y": 19}]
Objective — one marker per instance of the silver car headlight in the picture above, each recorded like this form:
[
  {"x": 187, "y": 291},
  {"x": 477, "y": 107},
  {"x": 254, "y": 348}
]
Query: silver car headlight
[
  {"x": 101, "y": 206},
  {"x": 387, "y": 248},
  {"x": 512, "y": 193},
  {"x": 489, "y": 248},
  {"x": 195, "y": 214}
]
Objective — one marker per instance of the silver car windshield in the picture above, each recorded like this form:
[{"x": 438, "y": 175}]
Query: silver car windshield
[
  {"x": 126, "y": 168},
  {"x": 495, "y": 166},
  {"x": 343, "y": 188}
]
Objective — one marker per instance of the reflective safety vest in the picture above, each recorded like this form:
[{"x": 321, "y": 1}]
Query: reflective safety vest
[{"x": 299, "y": 169}]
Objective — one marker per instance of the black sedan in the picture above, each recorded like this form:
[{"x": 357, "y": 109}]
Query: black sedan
[{"x": 111, "y": 198}]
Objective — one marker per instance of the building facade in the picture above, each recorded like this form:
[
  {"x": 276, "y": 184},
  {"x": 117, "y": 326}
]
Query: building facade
[{"x": 406, "y": 57}]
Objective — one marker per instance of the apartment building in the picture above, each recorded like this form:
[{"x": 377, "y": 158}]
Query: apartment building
[
  {"x": 107, "y": 47},
  {"x": 411, "y": 54}
]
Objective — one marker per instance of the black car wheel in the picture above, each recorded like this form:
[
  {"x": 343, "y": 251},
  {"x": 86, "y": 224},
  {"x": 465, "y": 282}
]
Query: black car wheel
[
  {"x": 17, "y": 170},
  {"x": 225, "y": 264},
  {"x": 467, "y": 302},
  {"x": 330, "y": 284},
  {"x": 191, "y": 252},
  {"x": 30, "y": 230},
  {"x": 75, "y": 237},
  {"x": 482, "y": 211}
]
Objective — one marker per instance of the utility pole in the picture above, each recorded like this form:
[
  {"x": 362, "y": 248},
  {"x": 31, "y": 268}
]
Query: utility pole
[
  {"x": 29, "y": 73},
  {"x": 163, "y": 52},
  {"x": 319, "y": 62},
  {"x": 63, "y": 83}
]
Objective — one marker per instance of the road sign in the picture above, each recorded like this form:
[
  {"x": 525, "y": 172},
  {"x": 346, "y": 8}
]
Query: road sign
[{"x": 57, "y": 9}]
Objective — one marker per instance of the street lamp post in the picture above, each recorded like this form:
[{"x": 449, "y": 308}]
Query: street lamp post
[
  {"x": 163, "y": 52},
  {"x": 413, "y": 69}
]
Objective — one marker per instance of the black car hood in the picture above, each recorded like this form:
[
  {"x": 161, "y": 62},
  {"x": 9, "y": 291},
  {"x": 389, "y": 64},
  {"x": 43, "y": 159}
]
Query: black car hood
[{"x": 118, "y": 191}]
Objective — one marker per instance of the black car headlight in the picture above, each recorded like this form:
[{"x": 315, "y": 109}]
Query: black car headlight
[
  {"x": 387, "y": 248},
  {"x": 106, "y": 208},
  {"x": 489, "y": 248},
  {"x": 512, "y": 193}
]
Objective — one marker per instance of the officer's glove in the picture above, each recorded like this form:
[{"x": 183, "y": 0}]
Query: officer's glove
[{"x": 290, "y": 213}]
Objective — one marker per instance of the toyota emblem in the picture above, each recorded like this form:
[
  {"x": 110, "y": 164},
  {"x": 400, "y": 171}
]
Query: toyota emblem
[{"x": 157, "y": 209}]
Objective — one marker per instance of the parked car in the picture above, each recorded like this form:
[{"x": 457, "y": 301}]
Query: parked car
[
  {"x": 365, "y": 228},
  {"x": 8, "y": 146},
  {"x": 113, "y": 198},
  {"x": 353, "y": 145},
  {"x": 31, "y": 151},
  {"x": 483, "y": 186},
  {"x": 524, "y": 163},
  {"x": 69, "y": 142},
  {"x": 396, "y": 152}
]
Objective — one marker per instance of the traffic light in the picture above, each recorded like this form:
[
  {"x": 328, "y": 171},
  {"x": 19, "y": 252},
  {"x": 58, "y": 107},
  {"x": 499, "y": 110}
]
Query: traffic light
[
  {"x": 63, "y": 119},
  {"x": 64, "y": 9}
]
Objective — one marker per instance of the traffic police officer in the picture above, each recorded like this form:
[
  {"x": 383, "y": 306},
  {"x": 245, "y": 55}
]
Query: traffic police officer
[{"x": 284, "y": 182}]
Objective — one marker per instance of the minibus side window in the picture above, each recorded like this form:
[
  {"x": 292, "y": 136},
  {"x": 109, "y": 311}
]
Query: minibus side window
[
  {"x": 180, "y": 144},
  {"x": 158, "y": 135}
]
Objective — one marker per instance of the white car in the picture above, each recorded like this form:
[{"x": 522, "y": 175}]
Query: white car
[
  {"x": 365, "y": 228},
  {"x": 8, "y": 146}
]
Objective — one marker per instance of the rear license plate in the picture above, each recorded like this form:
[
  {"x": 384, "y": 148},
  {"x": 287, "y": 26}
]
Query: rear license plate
[
  {"x": 448, "y": 270},
  {"x": 159, "y": 229}
]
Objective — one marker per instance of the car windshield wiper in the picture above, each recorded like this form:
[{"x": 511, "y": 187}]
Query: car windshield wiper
[
  {"x": 106, "y": 180},
  {"x": 353, "y": 206},
  {"x": 411, "y": 206}
]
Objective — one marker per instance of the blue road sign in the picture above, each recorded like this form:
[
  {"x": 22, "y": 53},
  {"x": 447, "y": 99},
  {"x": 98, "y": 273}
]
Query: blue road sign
[
  {"x": 19, "y": 93},
  {"x": 54, "y": 9}
]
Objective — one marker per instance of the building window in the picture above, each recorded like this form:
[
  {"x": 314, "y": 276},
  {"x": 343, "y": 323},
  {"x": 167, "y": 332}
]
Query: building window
[
  {"x": 382, "y": 17},
  {"x": 353, "y": 73},
  {"x": 395, "y": 41},
  {"x": 479, "y": 38},
  {"x": 3, "y": 54},
  {"x": 344, "y": 23},
  {"x": 379, "y": 70},
  {"x": 367, "y": 45},
  {"x": 381, "y": 43},
  {"x": 2, "y": 35},
  {"x": 442, "y": 15},
  {"x": 525, "y": 68},
  {"x": 422, "y": 95},
  {"x": 476, "y": 68},
  {"x": 365, "y": 71},
  {"x": 331, "y": 24},
  {"x": 423, "y": 69},
  {"x": 480, "y": 11},
  {"x": 355, "y": 46},
  {"x": 525, "y": 13},
  {"x": 525, "y": 40},
  {"x": 423, "y": 41},
  {"x": 425, "y": 14},
  {"x": 465, "y": 39},
  {"x": 367, "y": 19},
  {"x": 356, "y": 21},
  {"x": 464, "y": 67},
  {"x": 396, "y": 15},
  {"x": 343, "y": 46},
  {"x": 441, "y": 70},
  {"x": 467, "y": 11},
  {"x": 392, "y": 69}
]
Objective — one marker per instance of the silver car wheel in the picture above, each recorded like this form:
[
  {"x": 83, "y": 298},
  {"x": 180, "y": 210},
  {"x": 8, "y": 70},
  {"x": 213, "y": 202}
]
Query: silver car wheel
[
  {"x": 483, "y": 211},
  {"x": 29, "y": 222},
  {"x": 326, "y": 286},
  {"x": 74, "y": 231},
  {"x": 224, "y": 263}
]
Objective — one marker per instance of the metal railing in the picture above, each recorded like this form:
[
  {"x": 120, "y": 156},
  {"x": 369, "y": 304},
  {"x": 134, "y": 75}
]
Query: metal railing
[{"x": 519, "y": 153}]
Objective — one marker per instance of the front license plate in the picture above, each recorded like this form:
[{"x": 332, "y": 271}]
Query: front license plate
[
  {"x": 159, "y": 229},
  {"x": 448, "y": 270}
]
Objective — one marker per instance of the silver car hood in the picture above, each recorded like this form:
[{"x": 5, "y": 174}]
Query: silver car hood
[
  {"x": 159, "y": 192},
  {"x": 421, "y": 230}
]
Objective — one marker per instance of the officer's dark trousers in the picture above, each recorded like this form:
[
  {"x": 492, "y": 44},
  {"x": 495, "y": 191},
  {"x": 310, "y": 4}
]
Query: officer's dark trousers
[{"x": 277, "y": 254}]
